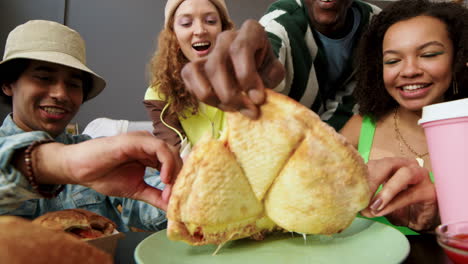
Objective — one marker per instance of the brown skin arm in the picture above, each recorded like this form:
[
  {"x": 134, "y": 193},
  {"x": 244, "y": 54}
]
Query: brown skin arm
[
  {"x": 160, "y": 130},
  {"x": 233, "y": 76},
  {"x": 113, "y": 166}
]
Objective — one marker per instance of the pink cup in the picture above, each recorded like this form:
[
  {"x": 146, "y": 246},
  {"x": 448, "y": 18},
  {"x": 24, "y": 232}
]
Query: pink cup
[{"x": 446, "y": 129}]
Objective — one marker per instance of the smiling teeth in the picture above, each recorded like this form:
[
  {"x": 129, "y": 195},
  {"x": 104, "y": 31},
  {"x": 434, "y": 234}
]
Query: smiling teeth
[
  {"x": 201, "y": 44},
  {"x": 53, "y": 110},
  {"x": 413, "y": 87}
]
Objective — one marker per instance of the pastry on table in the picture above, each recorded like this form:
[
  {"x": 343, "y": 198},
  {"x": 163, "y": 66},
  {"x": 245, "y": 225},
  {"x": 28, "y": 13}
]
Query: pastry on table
[
  {"x": 23, "y": 242},
  {"x": 81, "y": 223}
]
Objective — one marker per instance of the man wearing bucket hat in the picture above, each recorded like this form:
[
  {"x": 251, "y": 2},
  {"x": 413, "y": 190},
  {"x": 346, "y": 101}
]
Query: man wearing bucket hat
[{"x": 45, "y": 78}]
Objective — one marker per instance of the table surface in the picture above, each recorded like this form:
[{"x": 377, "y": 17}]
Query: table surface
[{"x": 424, "y": 249}]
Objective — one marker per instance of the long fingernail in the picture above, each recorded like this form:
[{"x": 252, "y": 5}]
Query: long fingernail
[{"x": 376, "y": 205}]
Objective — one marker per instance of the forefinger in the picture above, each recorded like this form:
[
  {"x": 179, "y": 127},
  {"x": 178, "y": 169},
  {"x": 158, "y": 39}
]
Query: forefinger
[
  {"x": 197, "y": 82},
  {"x": 382, "y": 169},
  {"x": 404, "y": 178},
  {"x": 222, "y": 75}
]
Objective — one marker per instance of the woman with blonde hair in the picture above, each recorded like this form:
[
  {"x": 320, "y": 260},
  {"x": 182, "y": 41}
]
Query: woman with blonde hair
[{"x": 190, "y": 31}]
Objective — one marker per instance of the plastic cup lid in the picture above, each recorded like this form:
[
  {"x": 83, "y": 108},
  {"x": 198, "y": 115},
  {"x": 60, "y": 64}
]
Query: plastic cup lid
[{"x": 446, "y": 110}]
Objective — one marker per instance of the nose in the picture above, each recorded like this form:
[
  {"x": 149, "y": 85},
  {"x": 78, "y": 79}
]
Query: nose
[
  {"x": 200, "y": 28},
  {"x": 411, "y": 68},
  {"x": 58, "y": 90}
]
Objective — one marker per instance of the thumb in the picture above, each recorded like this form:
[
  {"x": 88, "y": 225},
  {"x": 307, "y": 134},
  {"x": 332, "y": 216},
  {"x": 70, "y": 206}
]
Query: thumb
[{"x": 152, "y": 196}]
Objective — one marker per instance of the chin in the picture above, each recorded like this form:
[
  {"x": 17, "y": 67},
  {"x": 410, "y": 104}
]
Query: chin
[{"x": 414, "y": 107}]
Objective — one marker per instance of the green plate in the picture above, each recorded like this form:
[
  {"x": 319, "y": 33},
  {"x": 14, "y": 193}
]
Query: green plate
[{"x": 365, "y": 241}]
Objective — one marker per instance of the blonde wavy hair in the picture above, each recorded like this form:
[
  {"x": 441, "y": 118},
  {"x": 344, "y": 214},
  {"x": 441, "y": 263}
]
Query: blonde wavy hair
[{"x": 166, "y": 66}]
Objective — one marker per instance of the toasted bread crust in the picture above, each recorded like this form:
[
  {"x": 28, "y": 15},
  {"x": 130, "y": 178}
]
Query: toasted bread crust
[
  {"x": 25, "y": 242},
  {"x": 69, "y": 219},
  {"x": 305, "y": 178}
]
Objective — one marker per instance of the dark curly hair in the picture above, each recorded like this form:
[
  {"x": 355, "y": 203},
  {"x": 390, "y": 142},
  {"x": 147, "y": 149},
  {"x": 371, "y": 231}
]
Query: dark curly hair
[
  {"x": 370, "y": 92},
  {"x": 166, "y": 65}
]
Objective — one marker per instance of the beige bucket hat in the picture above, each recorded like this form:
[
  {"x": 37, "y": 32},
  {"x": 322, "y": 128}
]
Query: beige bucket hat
[
  {"x": 51, "y": 42},
  {"x": 172, "y": 5}
]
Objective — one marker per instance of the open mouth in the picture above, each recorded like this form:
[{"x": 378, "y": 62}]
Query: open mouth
[{"x": 201, "y": 46}]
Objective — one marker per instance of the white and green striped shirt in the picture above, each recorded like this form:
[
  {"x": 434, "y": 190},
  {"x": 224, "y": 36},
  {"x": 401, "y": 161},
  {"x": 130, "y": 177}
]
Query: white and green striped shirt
[{"x": 293, "y": 41}]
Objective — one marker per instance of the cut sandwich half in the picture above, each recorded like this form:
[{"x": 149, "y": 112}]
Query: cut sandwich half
[
  {"x": 287, "y": 170},
  {"x": 219, "y": 204},
  {"x": 24, "y": 242},
  {"x": 81, "y": 223}
]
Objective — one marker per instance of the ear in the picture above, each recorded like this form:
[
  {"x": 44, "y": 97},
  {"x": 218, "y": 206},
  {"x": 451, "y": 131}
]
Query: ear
[{"x": 6, "y": 88}]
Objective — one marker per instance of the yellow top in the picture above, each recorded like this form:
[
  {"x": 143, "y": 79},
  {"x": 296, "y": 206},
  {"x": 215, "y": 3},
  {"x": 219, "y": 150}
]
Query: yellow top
[{"x": 207, "y": 120}]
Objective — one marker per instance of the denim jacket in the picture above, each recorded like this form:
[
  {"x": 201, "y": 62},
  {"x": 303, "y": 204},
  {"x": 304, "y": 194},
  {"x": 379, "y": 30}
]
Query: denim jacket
[{"x": 18, "y": 198}]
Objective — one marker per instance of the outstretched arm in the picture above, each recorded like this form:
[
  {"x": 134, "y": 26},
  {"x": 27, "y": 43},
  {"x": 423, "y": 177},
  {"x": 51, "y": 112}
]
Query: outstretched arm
[{"x": 112, "y": 165}]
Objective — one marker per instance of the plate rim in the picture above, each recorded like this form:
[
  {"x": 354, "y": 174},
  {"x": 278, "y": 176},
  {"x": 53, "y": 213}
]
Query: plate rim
[{"x": 405, "y": 251}]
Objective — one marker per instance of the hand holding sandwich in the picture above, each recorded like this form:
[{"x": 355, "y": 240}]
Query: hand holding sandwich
[
  {"x": 407, "y": 197},
  {"x": 233, "y": 76},
  {"x": 113, "y": 166}
]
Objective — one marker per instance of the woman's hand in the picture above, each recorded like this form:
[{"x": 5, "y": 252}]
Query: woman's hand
[{"x": 408, "y": 196}]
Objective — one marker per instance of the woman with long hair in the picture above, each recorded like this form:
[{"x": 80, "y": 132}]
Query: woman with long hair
[
  {"x": 414, "y": 54},
  {"x": 190, "y": 31}
]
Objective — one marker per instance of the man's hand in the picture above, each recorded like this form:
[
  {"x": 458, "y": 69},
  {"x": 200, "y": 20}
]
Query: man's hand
[
  {"x": 233, "y": 76},
  {"x": 113, "y": 166}
]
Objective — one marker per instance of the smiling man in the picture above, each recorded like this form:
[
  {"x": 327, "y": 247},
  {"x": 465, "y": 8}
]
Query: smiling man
[
  {"x": 315, "y": 41},
  {"x": 51, "y": 96},
  {"x": 45, "y": 79}
]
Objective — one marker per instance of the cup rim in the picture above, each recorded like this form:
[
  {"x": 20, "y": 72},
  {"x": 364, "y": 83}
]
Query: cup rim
[
  {"x": 452, "y": 249},
  {"x": 443, "y": 236},
  {"x": 445, "y": 110}
]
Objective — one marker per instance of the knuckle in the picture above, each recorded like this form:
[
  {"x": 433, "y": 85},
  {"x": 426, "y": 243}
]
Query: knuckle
[
  {"x": 225, "y": 36},
  {"x": 204, "y": 95},
  {"x": 251, "y": 23},
  {"x": 237, "y": 46},
  {"x": 187, "y": 70},
  {"x": 212, "y": 66}
]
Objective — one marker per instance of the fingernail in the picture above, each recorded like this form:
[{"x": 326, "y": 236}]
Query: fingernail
[
  {"x": 376, "y": 205},
  {"x": 226, "y": 108},
  {"x": 256, "y": 96},
  {"x": 248, "y": 112}
]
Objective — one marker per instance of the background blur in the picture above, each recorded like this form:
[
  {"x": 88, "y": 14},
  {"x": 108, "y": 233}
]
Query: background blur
[{"x": 121, "y": 36}]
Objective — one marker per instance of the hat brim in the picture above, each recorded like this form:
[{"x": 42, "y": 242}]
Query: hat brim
[{"x": 62, "y": 59}]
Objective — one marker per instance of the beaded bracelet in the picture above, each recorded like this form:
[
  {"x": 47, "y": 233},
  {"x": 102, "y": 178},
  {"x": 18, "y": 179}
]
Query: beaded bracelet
[{"x": 46, "y": 190}]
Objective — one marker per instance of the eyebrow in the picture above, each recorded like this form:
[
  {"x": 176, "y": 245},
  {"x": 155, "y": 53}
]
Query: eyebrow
[
  {"x": 42, "y": 68},
  {"x": 191, "y": 15},
  {"x": 430, "y": 43}
]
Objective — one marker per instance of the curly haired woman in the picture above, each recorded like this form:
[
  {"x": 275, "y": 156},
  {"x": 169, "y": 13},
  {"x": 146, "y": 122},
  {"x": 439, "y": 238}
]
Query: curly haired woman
[
  {"x": 421, "y": 60},
  {"x": 190, "y": 31}
]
